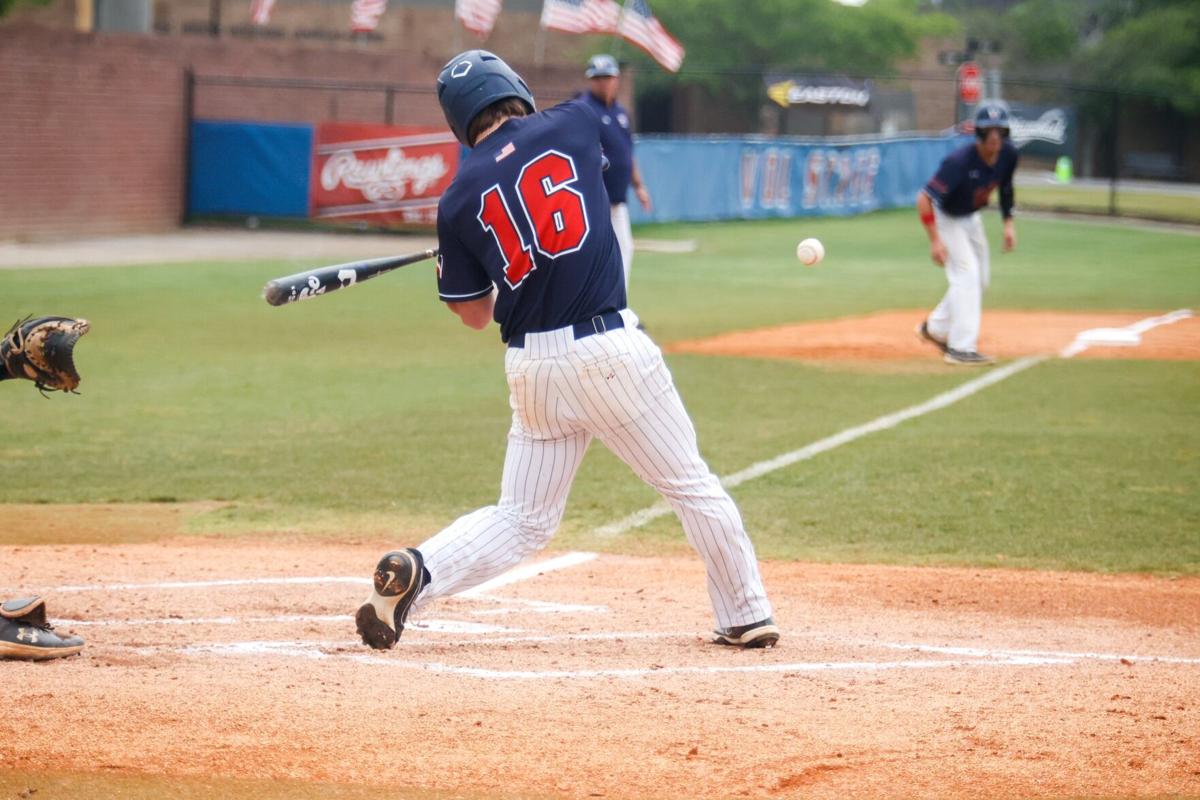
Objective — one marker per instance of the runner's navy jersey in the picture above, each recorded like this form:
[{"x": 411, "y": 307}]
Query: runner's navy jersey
[
  {"x": 964, "y": 182},
  {"x": 617, "y": 141},
  {"x": 528, "y": 213}
]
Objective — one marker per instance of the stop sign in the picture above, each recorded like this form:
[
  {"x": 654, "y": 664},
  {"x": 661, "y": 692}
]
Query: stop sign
[{"x": 969, "y": 84}]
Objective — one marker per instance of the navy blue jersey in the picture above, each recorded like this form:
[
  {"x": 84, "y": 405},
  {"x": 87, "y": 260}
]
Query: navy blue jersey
[
  {"x": 617, "y": 140},
  {"x": 528, "y": 213},
  {"x": 964, "y": 182}
]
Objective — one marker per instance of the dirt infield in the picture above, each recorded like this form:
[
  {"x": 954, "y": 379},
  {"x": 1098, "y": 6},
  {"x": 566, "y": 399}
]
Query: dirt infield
[
  {"x": 888, "y": 336},
  {"x": 210, "y": 659}
]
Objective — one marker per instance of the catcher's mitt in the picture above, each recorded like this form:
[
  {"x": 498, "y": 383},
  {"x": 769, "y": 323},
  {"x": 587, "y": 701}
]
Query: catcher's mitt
[{"x": 40, "y": 350}]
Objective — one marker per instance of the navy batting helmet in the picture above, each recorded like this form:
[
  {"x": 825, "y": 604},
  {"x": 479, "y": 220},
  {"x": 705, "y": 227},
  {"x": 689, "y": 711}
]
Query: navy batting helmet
[
  {"x": 991, "y": 114},
  {"x": 472, "y": 81}
]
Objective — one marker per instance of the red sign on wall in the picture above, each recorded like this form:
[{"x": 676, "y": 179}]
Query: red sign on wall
[
  {"x": 382, "y": 174},
  {"x": 970, "y": 85}
]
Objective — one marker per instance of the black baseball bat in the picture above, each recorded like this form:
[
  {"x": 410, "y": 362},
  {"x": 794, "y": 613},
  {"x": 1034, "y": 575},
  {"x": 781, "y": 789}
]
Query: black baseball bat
[{"x": 323, "y": 280}]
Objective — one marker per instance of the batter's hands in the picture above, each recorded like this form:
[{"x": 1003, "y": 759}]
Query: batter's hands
[
  {"x": 643, "y": 196},
  {"x": 1010, "y": 236},
  {"x": 937, "y": 251}
]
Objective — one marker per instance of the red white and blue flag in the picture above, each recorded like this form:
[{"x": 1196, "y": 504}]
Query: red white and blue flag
[
  {"x": 365, "y": 14},
  {"x": 639, "y": 26},
  {"x": 477, "y": 16},
  {"x": 581, "y": 16},
  {"x": 260, "y": 11}
]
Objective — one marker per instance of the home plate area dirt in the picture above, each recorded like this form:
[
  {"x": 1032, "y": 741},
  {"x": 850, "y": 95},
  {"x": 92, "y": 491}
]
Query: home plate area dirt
[
  {"x": 239, "y": 659},
  {"x": 889, "y": 336}
]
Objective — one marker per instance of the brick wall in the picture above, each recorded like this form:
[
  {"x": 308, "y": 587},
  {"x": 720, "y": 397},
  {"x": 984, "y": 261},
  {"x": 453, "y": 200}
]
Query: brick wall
[{"x": 92, "y": 133}]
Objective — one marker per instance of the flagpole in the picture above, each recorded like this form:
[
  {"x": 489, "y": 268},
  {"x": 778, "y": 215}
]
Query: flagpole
[
  {"x": 616, "y": 47},
  {"x": 539, "y": 46}
]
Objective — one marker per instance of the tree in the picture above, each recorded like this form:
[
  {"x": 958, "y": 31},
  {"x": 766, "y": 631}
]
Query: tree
[
  {"x": 9, "y": 5},
  {"x": 731, "y": 44},
  {"x": 1148, "y": 46},
  {"x": 1137, "y": 46},
  {"x": 1043, "y": 31}
]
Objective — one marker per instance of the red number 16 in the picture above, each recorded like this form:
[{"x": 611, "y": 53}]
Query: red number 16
[{"x": 555, "y": 212}]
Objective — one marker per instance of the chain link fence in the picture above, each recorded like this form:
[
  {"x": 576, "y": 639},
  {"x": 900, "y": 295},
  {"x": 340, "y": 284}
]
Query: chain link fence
[{"x": 1086, "y": 149}]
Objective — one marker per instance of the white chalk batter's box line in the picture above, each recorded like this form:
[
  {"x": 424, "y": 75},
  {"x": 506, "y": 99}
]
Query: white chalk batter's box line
[
  {"x": 486, "y": 635},
  {"x": 964, "y": 657},
  {"x": 483, "y": 636}
]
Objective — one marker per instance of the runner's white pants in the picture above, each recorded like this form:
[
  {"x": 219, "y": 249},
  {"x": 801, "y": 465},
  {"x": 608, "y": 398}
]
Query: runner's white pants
[
  {"x": 621, "y": 226},
  {"x": 614, "y": 387},
  {"x": 956, "y": 318}
]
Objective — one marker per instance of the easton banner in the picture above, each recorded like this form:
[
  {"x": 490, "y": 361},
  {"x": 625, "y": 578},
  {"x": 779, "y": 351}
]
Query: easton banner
[
  {"x": 381, "y": 174},
  {"x": 820, "y": 90}
]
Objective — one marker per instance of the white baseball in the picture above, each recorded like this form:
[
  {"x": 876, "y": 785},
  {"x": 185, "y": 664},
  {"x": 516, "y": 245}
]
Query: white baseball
[{"x": 810, "y": 252}]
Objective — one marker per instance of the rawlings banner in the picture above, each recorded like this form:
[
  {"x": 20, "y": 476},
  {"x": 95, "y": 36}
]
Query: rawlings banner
[{"x": 382, "y": 174}]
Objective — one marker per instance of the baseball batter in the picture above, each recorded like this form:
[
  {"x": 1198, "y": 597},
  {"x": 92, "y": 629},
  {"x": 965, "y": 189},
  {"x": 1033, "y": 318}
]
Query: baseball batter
[
  {"x": 526, "y": 239},
  {"x": 949, "y": 209}
]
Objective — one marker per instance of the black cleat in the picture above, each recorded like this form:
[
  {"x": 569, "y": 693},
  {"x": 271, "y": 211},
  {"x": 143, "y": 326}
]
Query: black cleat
[
  {"x": 763, "y": 633},
  {"x": 924, "y": 335},
  {"x": 399, "y": 578},
  {"x": 25, "y": 633},
  {"x": 967, "y": 358}
]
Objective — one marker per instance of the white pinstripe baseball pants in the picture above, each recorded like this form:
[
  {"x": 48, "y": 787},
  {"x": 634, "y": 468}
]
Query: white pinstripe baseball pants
[
  {"x": 956, "y": 318},
  {"x": 614, "y": 387}
]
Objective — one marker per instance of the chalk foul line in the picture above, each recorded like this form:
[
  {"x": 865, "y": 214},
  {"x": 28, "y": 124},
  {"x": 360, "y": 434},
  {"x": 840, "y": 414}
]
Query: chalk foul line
[
  {"x": 521, "y": 573},
  {"x": 886, "y": 422}
]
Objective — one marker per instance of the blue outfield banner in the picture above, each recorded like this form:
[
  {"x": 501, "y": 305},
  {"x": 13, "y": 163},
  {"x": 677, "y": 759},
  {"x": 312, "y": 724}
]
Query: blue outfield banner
[
  {"x": 696, "y": 179},
  {"x": 250, "y": 168}
]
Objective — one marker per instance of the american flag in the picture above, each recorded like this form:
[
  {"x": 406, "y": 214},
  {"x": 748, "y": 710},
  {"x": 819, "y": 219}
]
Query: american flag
[
  {"x": 581, "y": 16},
  {"x": 365, "y": 14},
  {"x": 260, "y": 11},
  {"x": 477, "y": 16},
  {"x": 639, "y": 26}
]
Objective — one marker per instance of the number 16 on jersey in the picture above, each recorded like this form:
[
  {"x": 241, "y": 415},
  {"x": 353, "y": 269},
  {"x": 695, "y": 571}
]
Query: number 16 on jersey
[{"x": 554, "y": 212}]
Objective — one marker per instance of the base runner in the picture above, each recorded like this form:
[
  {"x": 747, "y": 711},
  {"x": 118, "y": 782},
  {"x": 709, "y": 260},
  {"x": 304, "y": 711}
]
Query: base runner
[
  {"x": 963, "y": 184},
  {"x": 526, "y": 239}
]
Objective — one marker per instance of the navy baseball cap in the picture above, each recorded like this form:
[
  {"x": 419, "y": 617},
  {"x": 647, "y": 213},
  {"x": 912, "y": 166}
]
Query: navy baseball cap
[{"x": 602, "y": 66}]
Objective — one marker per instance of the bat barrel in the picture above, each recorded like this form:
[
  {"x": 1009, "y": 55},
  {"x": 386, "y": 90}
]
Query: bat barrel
[
  {"x": 276, "y": 292},
  {"x": 316, "y": 282}
]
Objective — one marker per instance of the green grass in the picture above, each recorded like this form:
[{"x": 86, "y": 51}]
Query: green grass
[
  {"x": 376, "y": 404},
  {"x": 1096, "y": 201}
]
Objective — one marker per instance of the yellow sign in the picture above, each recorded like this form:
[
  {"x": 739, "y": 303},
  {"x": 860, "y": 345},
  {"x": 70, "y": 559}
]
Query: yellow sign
[{"x": 780, "y": 92}]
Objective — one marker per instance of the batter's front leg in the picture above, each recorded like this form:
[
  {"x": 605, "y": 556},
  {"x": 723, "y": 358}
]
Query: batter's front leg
[{"x": 488, "y": 542}]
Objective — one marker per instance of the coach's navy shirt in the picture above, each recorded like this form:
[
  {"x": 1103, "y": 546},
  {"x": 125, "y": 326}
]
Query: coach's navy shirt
[
  {"x": 964, "y": 182},
  {"x": 528, "y": 213},
  {"x": 617, "y": 140}
]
